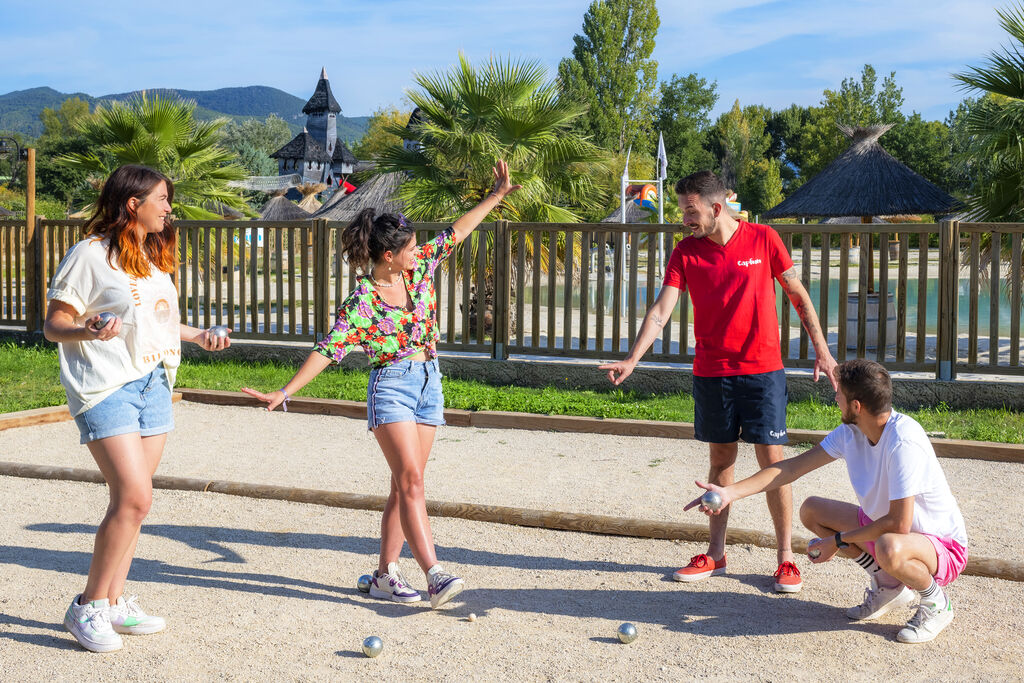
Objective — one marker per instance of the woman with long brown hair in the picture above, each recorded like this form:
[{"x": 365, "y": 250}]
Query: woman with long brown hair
[
  {"x": 113, "y": 313},
  {"x": 392, "y": 315}
]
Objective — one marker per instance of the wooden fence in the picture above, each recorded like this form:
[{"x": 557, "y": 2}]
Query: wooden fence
[{"x": 917, "y": 299}]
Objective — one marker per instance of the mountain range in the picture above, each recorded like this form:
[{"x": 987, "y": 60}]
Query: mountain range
[{"x": 20, "y": 109}]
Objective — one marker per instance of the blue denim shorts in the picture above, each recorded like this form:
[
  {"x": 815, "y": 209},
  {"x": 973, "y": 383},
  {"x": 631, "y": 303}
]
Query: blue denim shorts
[
  {"x": 749, "y": 406},
  {"x": 406, "y": 391},
  {"x": 142, "y": 406}
]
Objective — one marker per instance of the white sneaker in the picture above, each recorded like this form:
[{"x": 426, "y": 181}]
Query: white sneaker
[
  {"x": 880, "y": 600},
  {"x": 927, "y": 623},
  {"x": 443, "y": 587},
  {"x": 127, "y": 617},
  {"x": 90, "y": 625},
  {"x": 392, "y": 585}
]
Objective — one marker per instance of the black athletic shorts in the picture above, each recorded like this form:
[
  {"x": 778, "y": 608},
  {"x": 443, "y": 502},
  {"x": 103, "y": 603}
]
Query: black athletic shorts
[{"x": 751, "y": 407}]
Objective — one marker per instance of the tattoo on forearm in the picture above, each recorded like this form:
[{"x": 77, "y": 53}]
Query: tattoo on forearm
[
  {"x": 657, "y": 320},
  {"x": 807, "y": 317}
]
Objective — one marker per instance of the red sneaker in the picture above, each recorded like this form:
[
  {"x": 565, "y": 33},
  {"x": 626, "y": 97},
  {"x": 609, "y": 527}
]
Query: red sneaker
[
  {"x": 787, "y": 578},
  {"x": 700, "y": 567}
]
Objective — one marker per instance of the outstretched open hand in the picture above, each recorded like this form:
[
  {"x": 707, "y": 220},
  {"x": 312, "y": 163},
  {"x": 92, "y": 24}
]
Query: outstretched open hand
[{"x": 502, "y": 181}]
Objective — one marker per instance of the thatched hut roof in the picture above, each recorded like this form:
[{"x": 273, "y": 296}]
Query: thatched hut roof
[
  {"x": 849, "y": 220},
  {"x": 378, "y": 192},
  {"x": 5, "y": 213},
  {"x": 865, "y": 180},
  {"x": 634, "y": 214},
  {"x": 281, "y": 209},
  {"x": 268, "y": 183},
  {"x": 322, "y": 99}
]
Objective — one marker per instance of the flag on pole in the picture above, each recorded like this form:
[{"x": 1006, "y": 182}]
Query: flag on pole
[{"x": 662, "y": 159}]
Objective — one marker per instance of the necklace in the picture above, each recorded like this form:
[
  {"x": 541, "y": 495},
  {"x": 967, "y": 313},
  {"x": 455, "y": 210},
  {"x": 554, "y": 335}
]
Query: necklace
[{"x": 381, "y": 284}]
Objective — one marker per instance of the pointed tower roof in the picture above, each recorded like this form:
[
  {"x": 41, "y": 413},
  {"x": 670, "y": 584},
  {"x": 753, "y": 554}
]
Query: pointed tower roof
[
  {"x": 322, "y": 99},
  {"x": 865, "y": 180},
  {"x": 302, "y": 146}
]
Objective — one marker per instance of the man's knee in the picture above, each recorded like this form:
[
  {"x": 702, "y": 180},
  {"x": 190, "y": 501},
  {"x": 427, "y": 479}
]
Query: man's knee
[
  {"x": 889, "y": 549},
  {"x": 811, "y": 510}
]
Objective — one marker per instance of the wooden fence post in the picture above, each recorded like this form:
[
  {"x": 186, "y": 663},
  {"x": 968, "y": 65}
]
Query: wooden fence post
[
  {"x": 35, "y": 274},
  {"x": 502, "y": 289},
  {"x": 949, "y": 277},
  {"x": 321, "y": 277}
]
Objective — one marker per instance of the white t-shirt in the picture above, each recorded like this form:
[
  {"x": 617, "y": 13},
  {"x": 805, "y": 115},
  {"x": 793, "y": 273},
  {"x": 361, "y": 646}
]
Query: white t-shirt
[
  {"x": 92, "y": 370},
  {"x": 902, "y": 464}
]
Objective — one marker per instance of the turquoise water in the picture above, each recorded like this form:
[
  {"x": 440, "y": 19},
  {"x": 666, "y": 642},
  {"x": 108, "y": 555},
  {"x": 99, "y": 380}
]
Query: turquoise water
[{"x": 931, "y": 312}]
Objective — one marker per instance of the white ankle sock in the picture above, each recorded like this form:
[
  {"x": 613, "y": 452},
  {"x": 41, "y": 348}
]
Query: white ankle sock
[
  {"x": 933, "y": 595},
  {"x": 433, "y": 570}
]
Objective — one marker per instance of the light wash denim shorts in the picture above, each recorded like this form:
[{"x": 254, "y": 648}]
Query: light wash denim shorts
[
  {"x": 406, "y": 391},
  {"x": 142, "y": 406}
]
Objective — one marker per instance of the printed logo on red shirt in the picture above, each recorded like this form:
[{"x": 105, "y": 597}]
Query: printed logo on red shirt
[{"x": 749, "y": 262}]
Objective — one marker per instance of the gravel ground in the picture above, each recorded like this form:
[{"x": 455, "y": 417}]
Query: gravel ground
[{"x": 256, "y": 588}]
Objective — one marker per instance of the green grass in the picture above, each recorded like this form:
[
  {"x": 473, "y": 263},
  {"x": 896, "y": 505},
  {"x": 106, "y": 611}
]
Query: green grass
[{"x": 29, "y": 377}]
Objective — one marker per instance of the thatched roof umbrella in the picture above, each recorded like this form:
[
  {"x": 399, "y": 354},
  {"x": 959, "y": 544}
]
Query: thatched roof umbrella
[
  {"x": 309, "y": 192},
  {"x": 864, "y": 181},
  {"x": 281, "y": 209},
  {"x": 378, "y": 192},
  {"x": 5, "y": 213},
  {"x": 634, "y": 214}
]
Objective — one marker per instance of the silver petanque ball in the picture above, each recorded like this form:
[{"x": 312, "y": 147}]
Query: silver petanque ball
[
  {"x": 711, "y": 501},
  {"x": 104, "y": 320},
  {"x": 363, "y": 583},
  {"x": 627, "y": 632},
  {"x": 814, "y": 553},
  {"x": 218, "y": 331},
  {"x": 373, "y": 646}
]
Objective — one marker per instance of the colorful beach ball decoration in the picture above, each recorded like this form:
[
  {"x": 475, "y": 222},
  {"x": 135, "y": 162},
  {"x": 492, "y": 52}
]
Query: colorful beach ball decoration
[{"x": 646, "y": 196}]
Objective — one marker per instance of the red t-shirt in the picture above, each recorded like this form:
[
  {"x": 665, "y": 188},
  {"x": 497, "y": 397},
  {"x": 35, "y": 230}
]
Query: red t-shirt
[{"x": 732, "y": 288}]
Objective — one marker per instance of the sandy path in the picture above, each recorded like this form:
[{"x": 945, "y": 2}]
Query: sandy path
[{"x": 265, "y": 589}]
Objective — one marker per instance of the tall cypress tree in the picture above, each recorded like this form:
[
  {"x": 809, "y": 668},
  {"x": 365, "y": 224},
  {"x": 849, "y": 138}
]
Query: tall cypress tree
[{"x": 611, "y": 73}]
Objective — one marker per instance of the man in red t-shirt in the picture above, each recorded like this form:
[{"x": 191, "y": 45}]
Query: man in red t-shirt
[{"x": 729, "y": 268}]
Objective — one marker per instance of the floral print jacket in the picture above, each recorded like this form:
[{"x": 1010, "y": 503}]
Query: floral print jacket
[{"x": 389, "y": 333}]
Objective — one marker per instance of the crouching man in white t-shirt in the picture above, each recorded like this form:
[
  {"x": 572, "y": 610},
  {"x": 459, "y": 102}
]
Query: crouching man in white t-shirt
[{"x": 907, "y": 533}]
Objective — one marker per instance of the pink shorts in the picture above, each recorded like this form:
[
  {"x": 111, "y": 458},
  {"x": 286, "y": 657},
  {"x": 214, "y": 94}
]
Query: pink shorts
[{"x": 952, "y": 557}]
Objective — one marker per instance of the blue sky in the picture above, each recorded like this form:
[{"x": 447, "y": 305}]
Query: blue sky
[{"x": 760, "y": 52}]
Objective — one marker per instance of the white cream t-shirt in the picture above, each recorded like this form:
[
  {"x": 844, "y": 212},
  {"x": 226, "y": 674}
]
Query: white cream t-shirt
[
  {"x": 902, "y": 464},
  {"x": 92, "y": 370}
]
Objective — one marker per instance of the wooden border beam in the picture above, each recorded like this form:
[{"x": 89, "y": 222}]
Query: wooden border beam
[{"x": 496, "y": 514}]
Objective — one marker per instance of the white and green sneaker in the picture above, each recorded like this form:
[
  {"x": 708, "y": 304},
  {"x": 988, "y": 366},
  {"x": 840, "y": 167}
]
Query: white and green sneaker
[
  {"x": 90, "y": 625},
  {"x": 127, "y": 617},
  {"x": 927, "y": 623},
  {"x": 880, "y": 600}
]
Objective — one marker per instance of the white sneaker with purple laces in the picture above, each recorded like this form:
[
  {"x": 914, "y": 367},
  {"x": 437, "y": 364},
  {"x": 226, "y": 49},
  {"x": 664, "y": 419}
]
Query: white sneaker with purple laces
[
  {"x": 443, "y": 586},
  {"x": 392, "y": 585}
]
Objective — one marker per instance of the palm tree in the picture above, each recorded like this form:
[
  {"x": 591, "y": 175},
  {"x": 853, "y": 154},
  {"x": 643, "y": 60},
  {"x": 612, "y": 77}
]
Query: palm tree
[
  {"x": 995, "y": 125},
  {"x": 164, "y": 135},
  {"x": 469, "y": 118}
]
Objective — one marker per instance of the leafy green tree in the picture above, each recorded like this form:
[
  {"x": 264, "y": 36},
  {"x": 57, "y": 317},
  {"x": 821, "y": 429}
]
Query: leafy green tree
[
  {"x": 253, "y": 141},
  {"x": 855, "y": 103},
  {"x": 162, "y": 134},
  {"x": 741, "y": 141},
  {"x": 994, "y": 125},
  {"x": 683, "y": 118},
  {"x": 379, "y": 132},
  {"x": 612, "y": 74},
  {"x": 924, "y": 146},
  {"x": 61, "y": 137},
  {"x": 784, "y": 127}
]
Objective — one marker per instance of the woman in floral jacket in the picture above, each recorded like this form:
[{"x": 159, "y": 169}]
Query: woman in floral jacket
[{"x": 392, "y": 315}]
